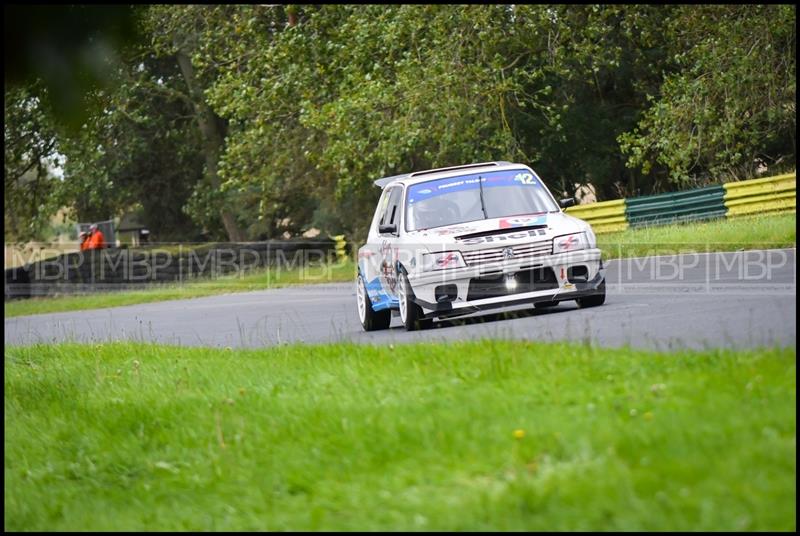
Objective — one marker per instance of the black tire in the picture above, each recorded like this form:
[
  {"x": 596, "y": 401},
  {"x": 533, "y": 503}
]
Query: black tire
[
  {"x": 596, "y": 299},
  {"x": 370, "y": 319},
  {"x": 413, "y": 313},
  {"x": 545, "y": 304}
]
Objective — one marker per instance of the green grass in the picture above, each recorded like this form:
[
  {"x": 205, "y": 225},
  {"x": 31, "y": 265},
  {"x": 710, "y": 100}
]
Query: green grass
[
  {"x": 764, "y": 232},
  {"x": 255, "y": 280},
  {"x": 415, "y": 437},
  {"x": 757, "y": 232}
]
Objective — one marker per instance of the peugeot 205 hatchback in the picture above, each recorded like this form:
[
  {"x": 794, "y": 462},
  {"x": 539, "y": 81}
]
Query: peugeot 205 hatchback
[{"x": 453, "y": 241}]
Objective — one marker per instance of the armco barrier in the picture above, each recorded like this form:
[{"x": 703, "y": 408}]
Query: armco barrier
[
  {"x": 604, "y": 217},
  {"x": 759, "y": 196},
  {"x": 340, "y": 247},
  {"x": 700, "y": 204},
  {"x": 734, "y": 199}
]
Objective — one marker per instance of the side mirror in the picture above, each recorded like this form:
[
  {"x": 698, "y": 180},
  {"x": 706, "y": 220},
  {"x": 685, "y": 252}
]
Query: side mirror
[
  {"x": 567, "y": 202},
  {"x": 387, "y": 228}
]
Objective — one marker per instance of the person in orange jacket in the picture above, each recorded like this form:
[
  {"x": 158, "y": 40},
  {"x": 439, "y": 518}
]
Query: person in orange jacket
[
  {"x": 96, "y": 239},
  {"x": 84, "y": 238}
]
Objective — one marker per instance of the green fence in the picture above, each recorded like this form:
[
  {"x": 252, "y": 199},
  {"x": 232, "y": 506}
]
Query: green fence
[
  {"x": 700, "y": 204},
  {"x": 735, "y": 199}
]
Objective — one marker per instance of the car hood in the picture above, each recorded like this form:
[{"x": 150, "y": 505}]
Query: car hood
[{"x": 498, "y": 231}]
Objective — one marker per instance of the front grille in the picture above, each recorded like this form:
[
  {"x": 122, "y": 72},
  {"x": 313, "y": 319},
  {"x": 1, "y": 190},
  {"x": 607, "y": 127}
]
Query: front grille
[
  {"x": 521, "y": 252},
  {"x": 493, "y": 286}
]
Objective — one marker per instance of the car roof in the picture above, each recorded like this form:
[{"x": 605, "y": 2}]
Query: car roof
[{"x": 440, "y": 173}]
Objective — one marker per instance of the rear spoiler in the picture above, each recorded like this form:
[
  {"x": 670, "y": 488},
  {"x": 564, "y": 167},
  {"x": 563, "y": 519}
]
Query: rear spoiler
[{"x": 381, "y": 183}]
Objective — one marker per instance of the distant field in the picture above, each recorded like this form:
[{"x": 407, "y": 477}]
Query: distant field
[
  {"x": 764, "y": 232},
  {"x": 460, "y": 437}
]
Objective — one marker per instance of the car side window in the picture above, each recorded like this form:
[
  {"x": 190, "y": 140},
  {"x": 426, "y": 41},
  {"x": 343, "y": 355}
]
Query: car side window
[
  {"x": 380, "y": 213},
  {"x": 391, "y": 215}
]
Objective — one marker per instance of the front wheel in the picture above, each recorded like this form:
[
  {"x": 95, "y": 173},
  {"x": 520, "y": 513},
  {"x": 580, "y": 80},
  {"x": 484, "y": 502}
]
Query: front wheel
[
  {"x": 371, "y": 320},
  {"x": 410, "y": 313},
  {"x": 596, "y": 299}
]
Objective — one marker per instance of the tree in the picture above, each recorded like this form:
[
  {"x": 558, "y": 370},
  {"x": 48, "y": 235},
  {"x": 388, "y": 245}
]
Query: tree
[
  {"x": 140, "y": 151},
  {"x": 594, "y": 66},
  {"x": 30, "y": 154},
  {"x": 67, "y": 50},
  {"x": 122, "y": 133},
  {"x": 341, "y": 103},
  {"x": 182, "y": 31},
  {"x": 730, "y": 105},
  {"x": 335, "y": 102}
]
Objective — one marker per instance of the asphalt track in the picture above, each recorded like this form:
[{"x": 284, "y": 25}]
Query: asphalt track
[{"x": 742, "y": 299}]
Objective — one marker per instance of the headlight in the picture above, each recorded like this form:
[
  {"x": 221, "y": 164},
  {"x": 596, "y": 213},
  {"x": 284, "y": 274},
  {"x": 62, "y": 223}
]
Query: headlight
[
  {"x": 441, "y": 261},
  {"x": 570, "y": 242}
]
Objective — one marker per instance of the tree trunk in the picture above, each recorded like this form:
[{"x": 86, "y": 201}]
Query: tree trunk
[{"x": 211, "y": 128}]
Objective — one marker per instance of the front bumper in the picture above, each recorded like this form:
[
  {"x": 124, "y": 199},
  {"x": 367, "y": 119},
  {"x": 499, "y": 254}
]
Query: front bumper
[{"x": 424, "y": 284}]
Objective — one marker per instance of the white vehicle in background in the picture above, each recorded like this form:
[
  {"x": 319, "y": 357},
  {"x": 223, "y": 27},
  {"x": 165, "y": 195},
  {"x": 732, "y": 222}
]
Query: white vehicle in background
[{"x": 453, "y": 241}]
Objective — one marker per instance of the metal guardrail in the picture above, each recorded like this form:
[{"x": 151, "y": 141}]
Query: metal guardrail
[
  {"x": 734, "y": 199},
  {"x": 604, "y": 217},
  {"x": 340, "y": 247},
  {"x": 759, "y": 196},
  {"x": 691, "y": 205}
]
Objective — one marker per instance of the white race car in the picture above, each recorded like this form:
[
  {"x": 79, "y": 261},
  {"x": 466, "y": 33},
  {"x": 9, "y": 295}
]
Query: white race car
[{"x": 453, "y": 241}]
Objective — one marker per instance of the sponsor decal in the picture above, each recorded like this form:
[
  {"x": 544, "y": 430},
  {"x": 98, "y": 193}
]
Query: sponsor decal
[
  {"x": 488, "y": 179},
  {"x": 522, "y": 221},
  {"x": 502, "y": 237},
  {"x": 453, "y": 230},
  {"x": 568, "y": 242},
  {"x": 380, "y": 299},
  {"x": 525, "y": 178},
  {"x": 388, "y": 255},
  {"x": 451, "y": 258}
]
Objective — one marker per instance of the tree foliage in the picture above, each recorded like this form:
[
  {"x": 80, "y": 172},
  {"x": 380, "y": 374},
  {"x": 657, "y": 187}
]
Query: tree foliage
[
  {"x": 142, "y": 153},
  {"x": 30, "y": 155},
  {"x": 729, "y": 106},
  {"x": 66, "y": 50}
]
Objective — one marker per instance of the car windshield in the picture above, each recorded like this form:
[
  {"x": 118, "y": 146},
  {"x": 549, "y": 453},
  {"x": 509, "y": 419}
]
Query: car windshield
[{"x": 441, "y": 202}]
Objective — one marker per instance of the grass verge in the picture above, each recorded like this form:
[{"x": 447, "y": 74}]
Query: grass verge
[
  {"x": 762, "y": 232},
  {"x": 483, "y": 435},
  {"x": 755, "y": 232}
]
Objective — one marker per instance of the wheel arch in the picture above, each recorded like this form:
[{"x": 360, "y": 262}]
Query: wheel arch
[{"x": 400, "y": 268}]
